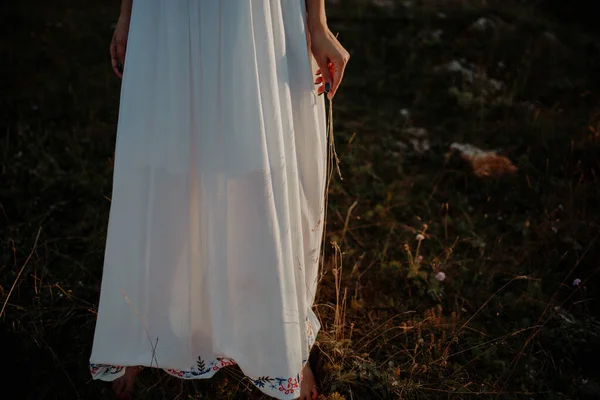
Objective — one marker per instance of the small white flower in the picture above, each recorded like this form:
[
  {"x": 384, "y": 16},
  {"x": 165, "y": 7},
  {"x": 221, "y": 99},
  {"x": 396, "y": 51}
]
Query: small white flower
[
  {"x": 482, "y": 24},
  {"x": 577, "y": 282},
  {"x": 420, "y": 237},
  {"x": 425, "y": 146},
  {"x": 440, "y": 276}
]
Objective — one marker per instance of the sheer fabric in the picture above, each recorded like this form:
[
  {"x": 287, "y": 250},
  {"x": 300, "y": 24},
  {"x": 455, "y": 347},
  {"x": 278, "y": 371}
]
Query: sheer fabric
[{"x": 217, "y": 208}]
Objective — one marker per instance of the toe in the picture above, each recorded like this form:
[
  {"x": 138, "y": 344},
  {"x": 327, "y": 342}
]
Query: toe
[
  {"x": 129, "y": 386},
  {"x": 118, "y": 386}
]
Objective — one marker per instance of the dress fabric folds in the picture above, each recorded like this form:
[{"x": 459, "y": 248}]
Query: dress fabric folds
[{"x": 216, "y": 219}]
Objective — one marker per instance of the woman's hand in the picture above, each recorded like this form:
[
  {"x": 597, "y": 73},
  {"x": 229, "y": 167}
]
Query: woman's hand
[
  {"x": 118, "y": 44},
  {"x": 331, "y": 57}
]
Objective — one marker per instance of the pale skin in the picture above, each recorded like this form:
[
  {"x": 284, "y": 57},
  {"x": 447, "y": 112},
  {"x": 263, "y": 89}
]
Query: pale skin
[{"x": 331, "y": 58}]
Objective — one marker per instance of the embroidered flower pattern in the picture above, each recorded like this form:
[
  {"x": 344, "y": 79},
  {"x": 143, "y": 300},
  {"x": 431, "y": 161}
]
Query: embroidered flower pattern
[
  {"x": 289, "y": 386},
  {"x": 105, "y": 369}
]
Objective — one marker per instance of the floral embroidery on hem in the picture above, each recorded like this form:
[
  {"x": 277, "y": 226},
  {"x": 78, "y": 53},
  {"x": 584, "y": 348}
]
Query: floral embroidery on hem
[
  {"x": 275, "y": 386},
  {"x": 266, "y": 384}
]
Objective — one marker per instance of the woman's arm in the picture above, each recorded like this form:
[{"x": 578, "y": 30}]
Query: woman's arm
[
  {"x": 328, "y": 52},
  {"x": 118, "y": 44},
  {"x": 126, "y": 7},
  {"x": 317, "y": 18}
]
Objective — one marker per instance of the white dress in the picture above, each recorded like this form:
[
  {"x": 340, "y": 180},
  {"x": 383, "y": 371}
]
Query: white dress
[{"x": 216, "y": 220}]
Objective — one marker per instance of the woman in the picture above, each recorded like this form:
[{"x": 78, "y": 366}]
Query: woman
[{"x": 217, "y": 210}]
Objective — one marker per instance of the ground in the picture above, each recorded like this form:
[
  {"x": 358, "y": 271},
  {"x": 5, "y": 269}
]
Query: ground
[{"x": 441, "y": 281}]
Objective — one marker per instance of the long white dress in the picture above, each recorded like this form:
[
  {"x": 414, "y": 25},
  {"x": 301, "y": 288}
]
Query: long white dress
[{"x": 216, "y": 220}]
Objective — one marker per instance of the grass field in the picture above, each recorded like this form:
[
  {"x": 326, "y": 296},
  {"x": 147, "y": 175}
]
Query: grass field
[{"x": 515, "y": 314}]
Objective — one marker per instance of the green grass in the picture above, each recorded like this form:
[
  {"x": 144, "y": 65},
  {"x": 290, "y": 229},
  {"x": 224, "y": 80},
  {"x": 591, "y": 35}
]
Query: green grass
[{"x": 505, "y": 323}]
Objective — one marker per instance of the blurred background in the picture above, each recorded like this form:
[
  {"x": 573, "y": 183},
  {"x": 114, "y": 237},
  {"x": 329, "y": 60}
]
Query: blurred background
[{"x": 464, "y": 236}]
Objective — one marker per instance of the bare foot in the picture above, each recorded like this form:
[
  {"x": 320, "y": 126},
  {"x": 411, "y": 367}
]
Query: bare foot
[
  {"x": 123, "y": 386},
  {"x": 308, "y": 387}
]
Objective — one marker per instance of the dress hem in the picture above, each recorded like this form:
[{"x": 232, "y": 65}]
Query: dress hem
[{"x": 279, "y": 387}]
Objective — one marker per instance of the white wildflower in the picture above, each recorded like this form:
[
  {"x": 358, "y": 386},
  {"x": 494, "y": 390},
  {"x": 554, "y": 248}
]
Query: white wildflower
[
  {"x": 440, "y": 276},
  {"x": 420, "y": 237},
  {"x": 577, "y": 282},
  {"x": 482, "y": 24},
  {"x": 469, "y": 150}
]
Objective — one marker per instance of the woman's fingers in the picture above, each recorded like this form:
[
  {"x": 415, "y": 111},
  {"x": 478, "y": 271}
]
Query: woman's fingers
[
  {"x": 325, "y": 73},
  {"x": 339, "y": 65},
  {"x": 113, "y": 57},
  {"x": 121, "y": 47},
  {"x": 333, "y": 77},
  {"x": 118, "y": 48}
]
